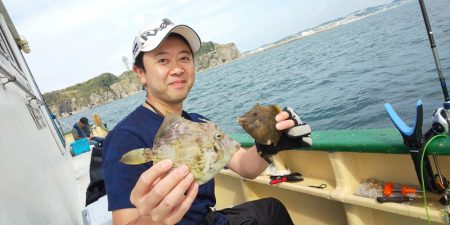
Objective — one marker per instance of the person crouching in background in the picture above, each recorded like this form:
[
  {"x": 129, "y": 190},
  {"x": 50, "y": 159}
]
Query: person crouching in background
[{"x": 81, "y": 130}]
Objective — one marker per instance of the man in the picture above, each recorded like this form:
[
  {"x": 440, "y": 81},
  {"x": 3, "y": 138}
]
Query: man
[
  {"x": 154, "y": 193},
  {"x": 81, "y": 130}
]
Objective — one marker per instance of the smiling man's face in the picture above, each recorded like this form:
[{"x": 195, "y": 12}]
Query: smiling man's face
[{"x": 169, "y": 71}]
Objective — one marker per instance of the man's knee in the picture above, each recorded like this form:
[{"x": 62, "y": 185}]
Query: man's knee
[
  {"x": 273, "y": 202},
  {"x": 280, "y": 213}
]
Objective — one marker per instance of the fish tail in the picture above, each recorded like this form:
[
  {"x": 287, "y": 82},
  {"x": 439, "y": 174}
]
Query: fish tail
[{"x": 136, "y": 157}]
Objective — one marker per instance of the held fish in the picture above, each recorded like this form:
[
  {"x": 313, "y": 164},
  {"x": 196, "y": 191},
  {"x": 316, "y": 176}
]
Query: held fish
[
  {"x": 260, "y": 123},
  {"x": 203, "y": 147}
]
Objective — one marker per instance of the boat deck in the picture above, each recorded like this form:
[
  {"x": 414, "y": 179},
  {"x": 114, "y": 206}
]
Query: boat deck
[
  {"x": 342, "y": 164},
  {"x": 81, "y": 166}
]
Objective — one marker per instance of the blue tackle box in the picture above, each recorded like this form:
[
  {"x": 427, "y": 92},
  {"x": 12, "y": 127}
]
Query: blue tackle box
[{"x": 79, "y": 146}]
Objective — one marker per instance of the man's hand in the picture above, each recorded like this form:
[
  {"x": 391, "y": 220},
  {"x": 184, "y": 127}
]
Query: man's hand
[
  {"x": 162, "y": 195},
  {"x": 289, "y": 122},
  {"x": 296, "y": 134}
]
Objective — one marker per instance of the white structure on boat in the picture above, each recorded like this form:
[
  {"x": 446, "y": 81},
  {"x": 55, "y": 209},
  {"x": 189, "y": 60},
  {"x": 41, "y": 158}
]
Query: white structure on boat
[{"x": 38, "y": 183}]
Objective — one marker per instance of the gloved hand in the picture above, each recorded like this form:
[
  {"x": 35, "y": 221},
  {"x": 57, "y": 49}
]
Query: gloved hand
[{"x": 297, "y": 136}]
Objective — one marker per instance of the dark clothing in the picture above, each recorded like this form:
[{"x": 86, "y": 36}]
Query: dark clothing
[
  {"x": 267, "y": 211},
  {"x": 138, "y": 130},
  {"x": 80, "y": 132},
  {"x": 96, "y": 187},
  {"x": 96, "y": 141}
]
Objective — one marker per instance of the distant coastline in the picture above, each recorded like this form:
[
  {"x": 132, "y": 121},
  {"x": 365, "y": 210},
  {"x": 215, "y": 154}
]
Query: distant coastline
[{"x": 357, "y": 15}]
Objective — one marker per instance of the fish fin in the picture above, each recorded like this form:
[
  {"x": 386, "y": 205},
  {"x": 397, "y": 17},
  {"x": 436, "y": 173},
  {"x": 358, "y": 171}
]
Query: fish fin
[
  {"x": 204, "y": 120},
  {"x": 275, "y": 142},
  {"x": 169, "y": 119},
  {"x": 136, "y": 157},
  {"x": 277, "y": 108}
]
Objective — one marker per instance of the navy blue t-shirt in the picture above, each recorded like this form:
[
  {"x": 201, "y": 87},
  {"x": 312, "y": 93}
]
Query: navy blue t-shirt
[{"x": 138, "y": 130}]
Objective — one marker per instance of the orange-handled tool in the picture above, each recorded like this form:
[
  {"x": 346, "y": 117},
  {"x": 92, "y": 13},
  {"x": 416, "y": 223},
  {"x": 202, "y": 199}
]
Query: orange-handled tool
[
  {"x": 389, "y": 188},
  {"x": 407, "y": 190},
  {"x": 278, "y": 180}
]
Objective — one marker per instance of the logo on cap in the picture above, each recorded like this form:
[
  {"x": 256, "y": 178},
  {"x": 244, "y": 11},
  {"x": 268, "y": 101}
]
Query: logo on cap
[
  {"x": 144, "y": 36},
  {"x": 165, "y": 22}
]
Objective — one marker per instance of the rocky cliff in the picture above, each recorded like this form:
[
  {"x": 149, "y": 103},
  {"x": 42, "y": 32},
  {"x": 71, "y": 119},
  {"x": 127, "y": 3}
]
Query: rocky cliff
[
  {"x": 127, "y": 84},
  {"x": 212, "y": 55},
  {"x": 94, "y": 92},
  {"x": 108, "y": 87}
]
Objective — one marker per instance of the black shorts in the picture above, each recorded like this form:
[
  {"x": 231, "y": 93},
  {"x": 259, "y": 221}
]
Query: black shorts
[{"x": 266, "y": 211}]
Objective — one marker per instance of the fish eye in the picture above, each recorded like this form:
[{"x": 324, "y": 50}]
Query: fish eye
[{"x": 219, "y": 136}]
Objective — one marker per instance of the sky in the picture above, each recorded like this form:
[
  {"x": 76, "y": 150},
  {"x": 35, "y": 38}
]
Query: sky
[{"x": 73, "y": 41}]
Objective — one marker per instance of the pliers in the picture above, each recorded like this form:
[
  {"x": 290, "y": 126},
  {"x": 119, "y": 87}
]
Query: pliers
[{"x": 290, "y": 177}]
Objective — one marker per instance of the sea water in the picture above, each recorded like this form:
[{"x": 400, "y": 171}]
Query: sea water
[{"x": 337, "y": 79}]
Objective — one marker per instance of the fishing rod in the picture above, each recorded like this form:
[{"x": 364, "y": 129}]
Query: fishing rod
[
  {"x": 440, "y": 116},
  {"x": 434, "y": 50}
]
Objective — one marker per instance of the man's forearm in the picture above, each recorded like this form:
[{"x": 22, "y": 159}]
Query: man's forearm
[{"x": 248, "y": 163}]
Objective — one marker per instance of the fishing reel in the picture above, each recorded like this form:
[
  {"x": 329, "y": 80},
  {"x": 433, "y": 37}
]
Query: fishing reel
[
  {"x": 439, "y": 121},
  {"x": 439, "y": 124}
]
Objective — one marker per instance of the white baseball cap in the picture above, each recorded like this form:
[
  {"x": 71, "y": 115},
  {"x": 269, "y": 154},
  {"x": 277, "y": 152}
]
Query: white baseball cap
[{"x": 152, "y": 36}]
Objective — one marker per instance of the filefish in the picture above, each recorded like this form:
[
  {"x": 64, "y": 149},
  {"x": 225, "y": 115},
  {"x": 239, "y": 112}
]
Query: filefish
[
  {"x": 203, "y": 147},
  {"x": 260, "y": 123}
]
